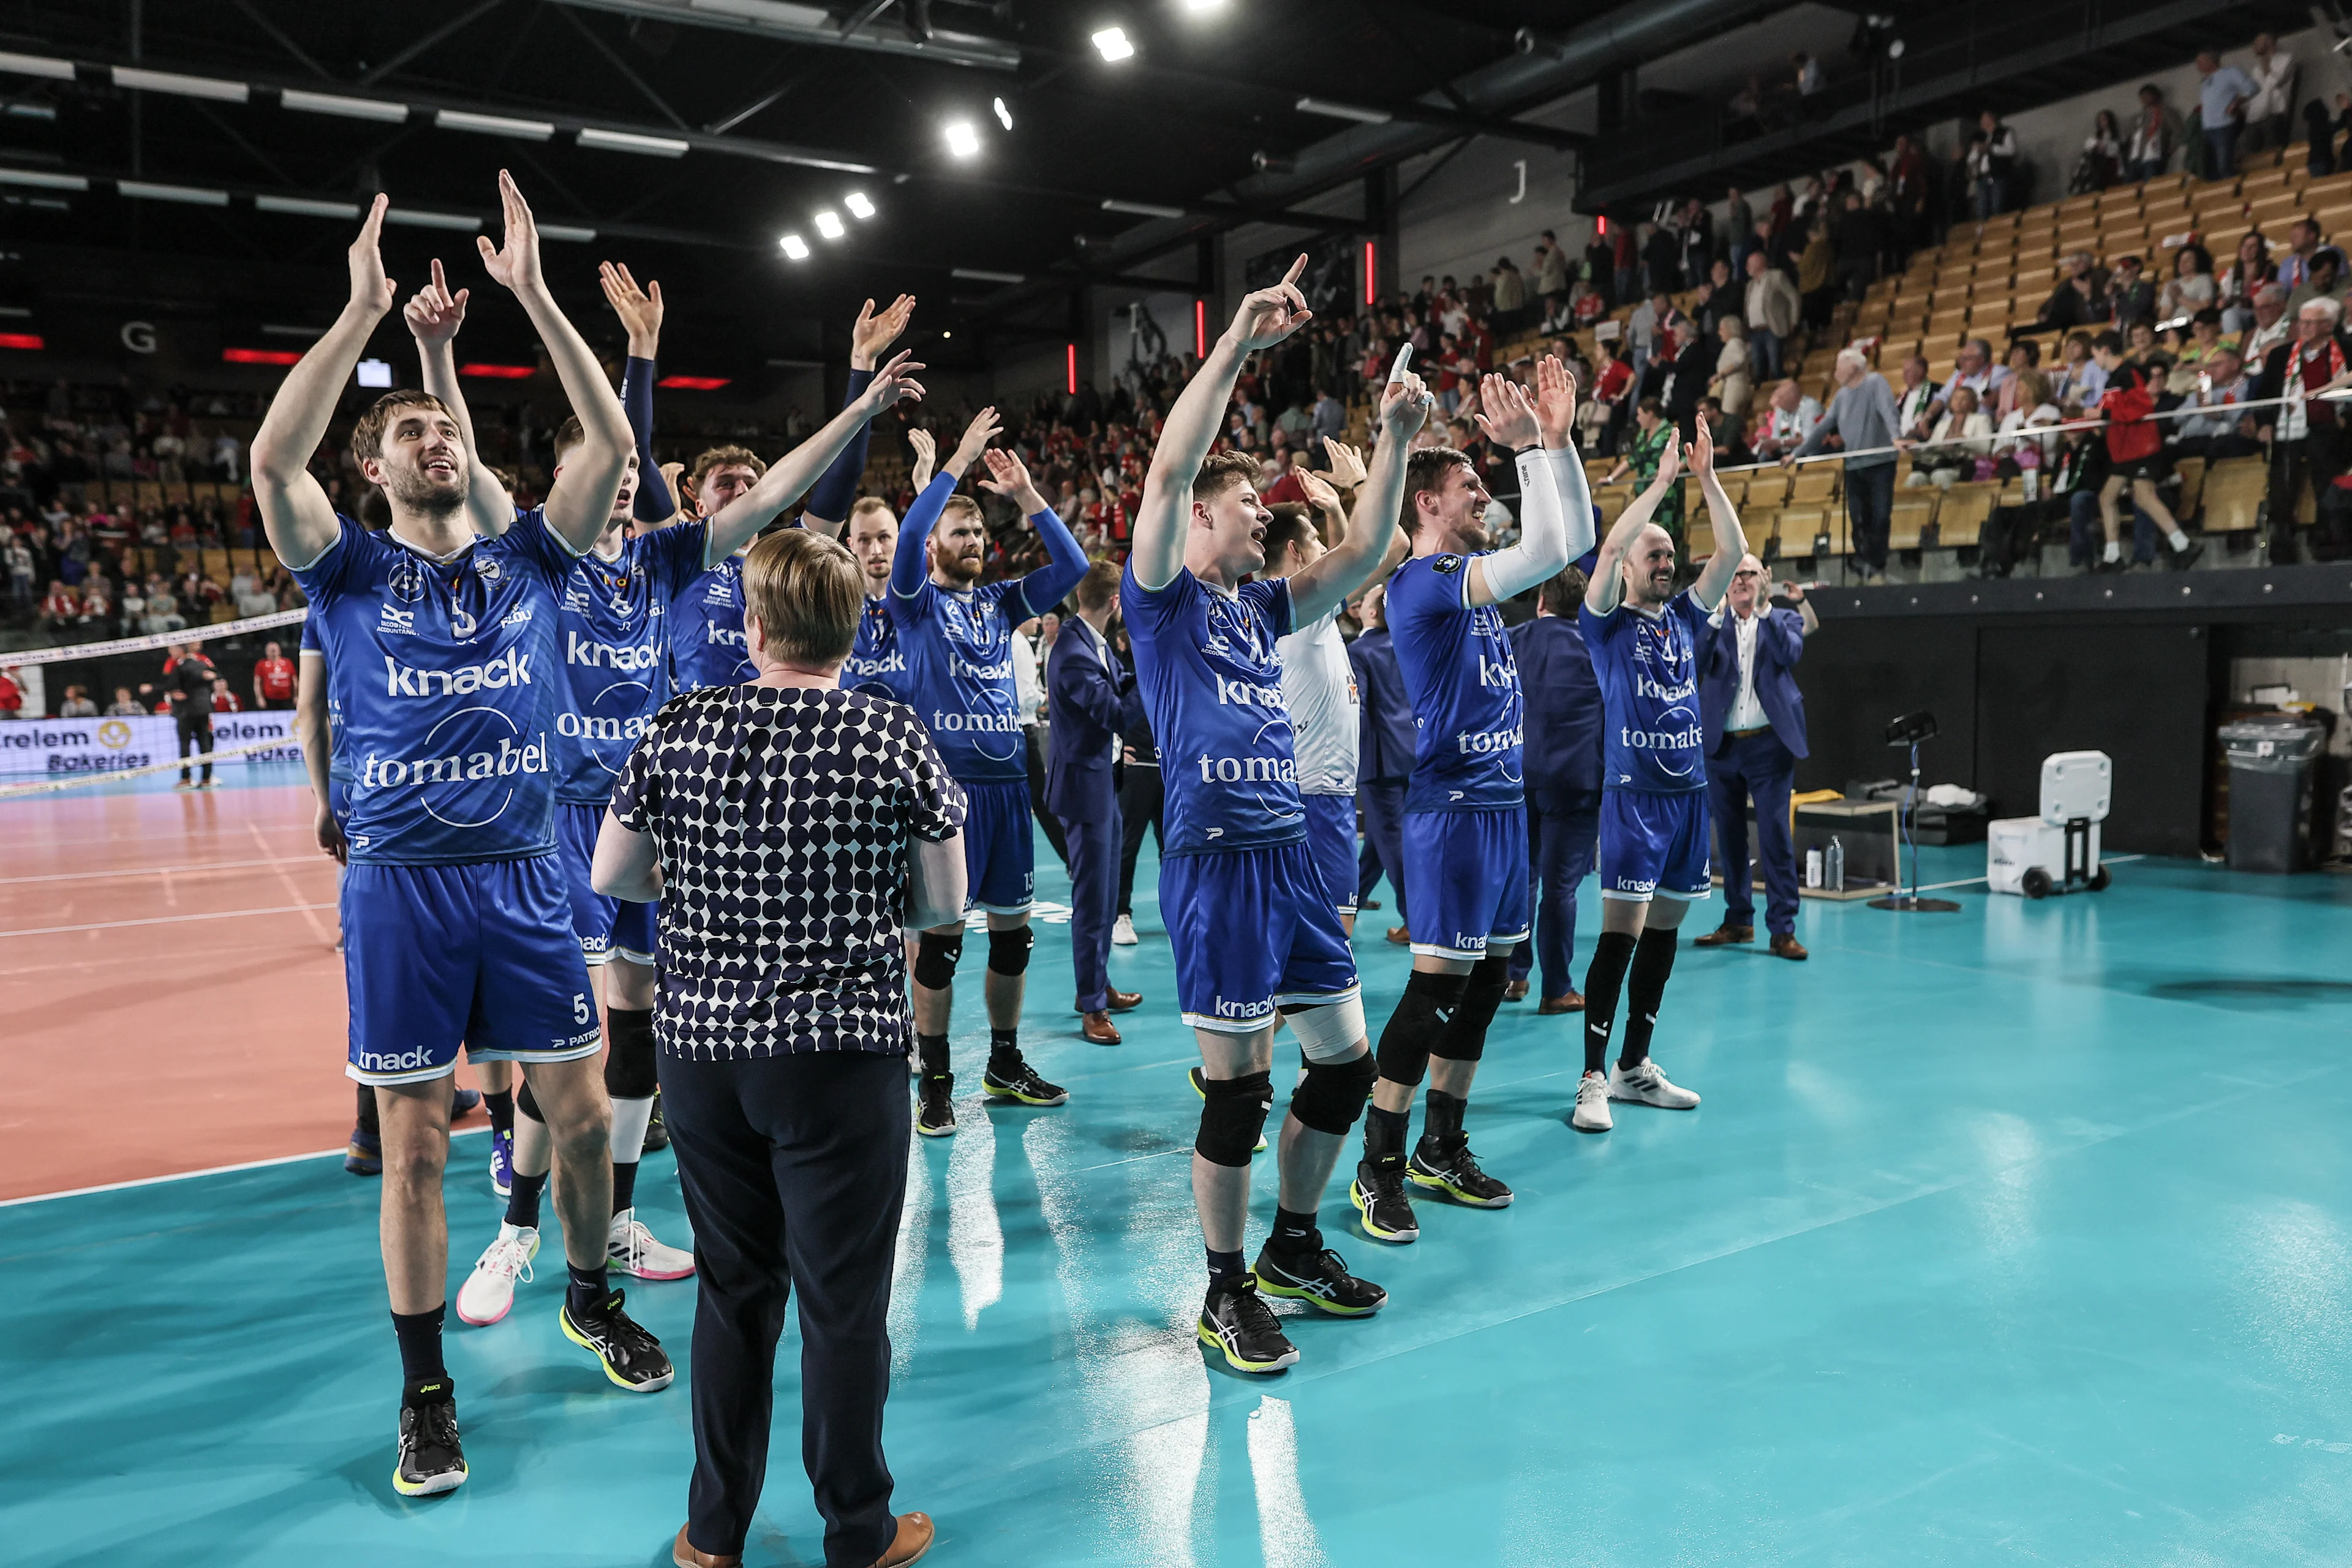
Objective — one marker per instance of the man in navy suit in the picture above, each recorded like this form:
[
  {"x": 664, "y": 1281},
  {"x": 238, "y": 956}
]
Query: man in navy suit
[
  {"x": 1383, "y": 753},
  {"x": 1090, "y": 700},
  {"x": 1755, "y": 721},
  {"x": 1563, "y": 784}
]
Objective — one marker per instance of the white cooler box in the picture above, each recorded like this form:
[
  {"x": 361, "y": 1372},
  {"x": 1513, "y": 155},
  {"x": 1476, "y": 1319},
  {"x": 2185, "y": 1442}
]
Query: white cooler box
[
  {"x": 2015, "y": 844},
  {"x": 2027, "y": 855}
]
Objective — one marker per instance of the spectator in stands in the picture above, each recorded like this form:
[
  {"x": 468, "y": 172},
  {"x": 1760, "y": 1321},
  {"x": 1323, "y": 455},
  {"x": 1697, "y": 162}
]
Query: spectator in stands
[
  {"x": 2295, "y": 262},
  {"x": 1328, "y": 421},
  {"x": 2248, "y": 271},
  {"x": 2269, "y": 117},
  {"x": 20, "y": 573},
  {"x": 1608, "y": 406},
  {"x": 1640, "y": 457},
  {"x": 1915, "y": 404},
  {"x": 1770, "y": 308},
  {"x": 1811, "y": 82},
  {"x": 61, "y": 608},
  {"x": 1855, "y": 234},
  {"x": 2135, "y": 460},
  {"x": 2226, "y": 433},
  {"x": 223, "y": 699},
  {"x": 1994, "y": 174},
  {"x": 2205, "y": 339},
  {"x": 2305, "y": 436},
  {"x": 2150, "y": 149},
  {"x": 2024, "y": 354},
  {"x": 2131, "y": 297},
  {"x": 2222, "y": 94},
  {"x": 273, "y": 679},
  {"x": 1510, "y": 296},
  {"x": 125, "y": 705},
  {"x": 1686, "y": 377},
  {"x": 2272, "y": 325},
  {"x": 1730, "y": 435},
  {"x": 1972, "y": 368},
  {"x": 12, "y": 695},
  {"x": 2102, "y": 164},
  {"x": 1662, "y": 258},
  {"x": 2322, "y": 279},
  {"x": 1734, "y": 382},
  {"x": 1697, "y": 242},
  {"x": 78, "y": 704},
  {"x": 1861, "y": 419},
  {"x": 2191, "y": 287},
  {"x": 2016, "y": 450},
  {"x": 1551, "y": 271},
  {"x": 1787, "y": 417},
  {"x": 1961, "y": 437},
  {"x": 1817, "y": 276}
]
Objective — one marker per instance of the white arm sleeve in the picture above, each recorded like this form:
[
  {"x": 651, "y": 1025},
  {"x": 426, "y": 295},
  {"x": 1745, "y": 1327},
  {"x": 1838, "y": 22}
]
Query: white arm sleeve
[{"x": 1544, "y": 527}]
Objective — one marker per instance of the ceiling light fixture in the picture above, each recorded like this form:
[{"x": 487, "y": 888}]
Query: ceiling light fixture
[
  {"x": 829, "y": 223},
  {"x": 858, "y": 205},
  {"x": 963, "y": 141},
  {"x": 1003, "y": 115},
  {"x": 1112, "y": 42},
  {"x": 1203, "y": 7},
  {"x": 1141, "y": 209},
  {"x": 980, "y": 274},
  {"x": 794, "y": 246},
  {"x": 1331, "y": 110}
]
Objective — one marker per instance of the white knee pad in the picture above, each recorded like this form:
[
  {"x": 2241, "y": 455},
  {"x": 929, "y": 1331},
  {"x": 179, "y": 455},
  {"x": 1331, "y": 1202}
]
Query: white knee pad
[{"x": 1327, "y": 1034}]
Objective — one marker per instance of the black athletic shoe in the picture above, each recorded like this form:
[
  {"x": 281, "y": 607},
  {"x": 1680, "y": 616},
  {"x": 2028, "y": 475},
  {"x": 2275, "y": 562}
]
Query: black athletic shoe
[
  {"x": 1379, "y": 1197},
  {"x": 2182, "y": 560},
  {"x": 656, "y": 1130},
  {"x": 1234, "y": 1321},
  {"x": 1455, "y": 1172},
  {"x": 432, "y": 1459},
  {"x": 1320, "y": 1279},
  {"x": 935, "y": 1105},
  {"x": 1021, "y": 1082},
  {"x": 630, "y": 1355}
]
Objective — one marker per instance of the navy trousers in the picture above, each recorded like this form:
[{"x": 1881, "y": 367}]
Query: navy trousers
[
  {"x": 1563, "y": 831},
  {"x": 1382, "y": 801},
  {"x": 1093, "y": 904},
  {"x": 1754, "y": 767},
  {"x": 795, "y": 1169}
]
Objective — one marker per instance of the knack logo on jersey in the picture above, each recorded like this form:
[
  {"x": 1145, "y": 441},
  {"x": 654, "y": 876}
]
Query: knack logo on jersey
[
  {"x": 594, "y": 654},
  {"x": 891, "y": 663},
  {"x": 1502, "y": 672},
  {"x": 725, "y": 636},
  {"x": 512, "y": 668},
  {"x": 1248, "y": 693},
  {"x": 1643, "y": 686},
  {"x": 958, "y": 665}
]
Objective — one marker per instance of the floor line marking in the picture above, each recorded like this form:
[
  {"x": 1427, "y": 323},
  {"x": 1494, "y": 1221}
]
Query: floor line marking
[
  {"x": 162, "y": 921},
  {"x": 191, "y": 1175},
  {"x": 287, "y": 880},
  {"x": 142, "y": 871}
]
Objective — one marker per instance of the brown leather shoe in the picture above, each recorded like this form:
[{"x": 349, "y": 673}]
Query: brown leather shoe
[
  {"x": 1100, "y": 1030},
  {"x": 1124, "y": 1001},
  {"x": 914, "y": 1538},
  {"x": 1725, "y": 935},
  {"x": 1517, "y": 991},
  {"x": 1788, "y": 946},
  {"x": 1400, "y": 936},
  {"x": 685, "y": 1554},
  {"x": 1571, "y": 1003}
]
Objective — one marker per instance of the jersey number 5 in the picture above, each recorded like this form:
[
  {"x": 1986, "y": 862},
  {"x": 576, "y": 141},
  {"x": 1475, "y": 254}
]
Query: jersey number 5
[{"x": 580, "y": 1013}]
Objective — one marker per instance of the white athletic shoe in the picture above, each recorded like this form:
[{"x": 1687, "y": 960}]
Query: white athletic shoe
[
  {"x": 1591, "y": 1112},
  {"x": 630, "y": 1248},
  {"x": 1122, "y": 931},
  {"x": 1648, "y": 1085},
  {"x": 489, "y": 1291}
]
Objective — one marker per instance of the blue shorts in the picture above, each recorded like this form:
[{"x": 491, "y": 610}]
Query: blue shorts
[
  {"x": 1653, "y": 844},
  {"x": 1466, "y": 880},
  {"x": 605, "y": 927},
  {"x": 1251, "y": 929},
  {"x": 1331, "y": 840},
  {"x": 482, "y": 955},
  {"x": 1000, "y": 848}
]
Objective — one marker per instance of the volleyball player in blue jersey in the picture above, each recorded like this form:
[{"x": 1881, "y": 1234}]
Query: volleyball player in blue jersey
[{"x": 1643, "y": 637}]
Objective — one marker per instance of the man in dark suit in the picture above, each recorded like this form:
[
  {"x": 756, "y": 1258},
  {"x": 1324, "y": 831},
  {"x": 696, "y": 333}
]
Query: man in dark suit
[
  {"x": 1090, "y": 700},
  {"x": 2306, "y": 437},
  {"x": 1384, "y": 754},
  {"x": 1563, "y": 783},
  {"x": 1754, "y": 717}
]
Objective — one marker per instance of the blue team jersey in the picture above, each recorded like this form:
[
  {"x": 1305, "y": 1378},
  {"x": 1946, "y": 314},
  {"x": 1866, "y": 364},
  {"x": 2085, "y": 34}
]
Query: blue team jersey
[
  {"x": 1648, "y": 669},
  {"x": 1212, "y": 682},
  {"x": 706, "y": 631},
  {"x": 337, "y": 766},
  {"x": 616, "y": 654},
  {"x": 446, "y": 673},
  {"x": 1463, "y": 678},
  {"x": 956, "y": 652},
  {"x": 875, "y": 663}
]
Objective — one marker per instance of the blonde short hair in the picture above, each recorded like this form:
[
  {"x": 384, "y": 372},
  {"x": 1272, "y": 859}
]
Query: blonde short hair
[{"x": 807, "y": 592}]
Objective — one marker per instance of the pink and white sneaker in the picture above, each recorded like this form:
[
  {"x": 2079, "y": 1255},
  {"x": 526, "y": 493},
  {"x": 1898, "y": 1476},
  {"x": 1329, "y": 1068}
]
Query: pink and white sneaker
[
  {"x": 631, "y": 1249},
  {"x": 487, "y": 1293}
]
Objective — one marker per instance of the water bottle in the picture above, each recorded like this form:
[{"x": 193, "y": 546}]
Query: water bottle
[
  {"x": 1834, "y": 867},
  {"x": 1813, "y": 862}
]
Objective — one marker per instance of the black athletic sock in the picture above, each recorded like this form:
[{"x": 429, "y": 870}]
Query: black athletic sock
[
  {"x": 932, "y": 1052},
  {"x": 1225, "y": 1268},
  {"x": 522, "y": 1199},
  {"x": 1602, "y": 981},
  {"x": 367, "y": 1116},
  {"x": 624, "y": 1186},
  {"x": 588, "y": 1290},
  {"x": 1295, "y": 1232},
  {"x": 501, "y": 1109},
  {"x": 420, "y": 1345},
  {"x": 1441, "y": 1123},
  {"x": 1645, "y": 987},
  {"x": 1384, "y": 1133},
  {"x": 1005, "y": 1050}
]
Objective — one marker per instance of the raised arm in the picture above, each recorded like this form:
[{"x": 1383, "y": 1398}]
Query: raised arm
[
  {"x": 295, "y": 511},
  {"x": 1065, "y": 558},
  {"x": 640, "y": 311},
  {"x": 926, "y": 458},
  {"x": 1348, "y": 565},
  {"x": 1549, "y": 416},
  {"x": 732, "y": 526},
  {"x": 911, "y": 565},
  {"x": 433, "y": 317},
  {"x": 1607, "y": 584},
  {"x": 837, "y": 488},
  {"x": 580, "y": 502},
  {"x": 1164, "y": 516},
  {"x": 1730, "y": 541}
]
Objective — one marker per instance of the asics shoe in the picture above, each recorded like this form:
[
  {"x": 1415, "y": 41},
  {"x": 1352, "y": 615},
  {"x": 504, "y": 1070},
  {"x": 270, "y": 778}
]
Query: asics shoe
[
  {"x": 1199, "y": 1083},
  {"x": 630, "y": 1356},
  {"x": 1021, "y": 1082},
  {"x": 1236, "y": 1322},
  {"x": 1591, "y": 1112},
  {"x": 464, "y": 1103},
  {"x": 1454, "y": 1170},
  {"x": 431, "y": 1458},
  {"x": 487, "y": 1293},
  {"x": 1378, "y": 1193},
  {"x": 631, "y": 1249},
  {"x": 935, "y": 1105},
  {"x": 1647, "y": 1084},
  {"x": 1320, "y": 1279},
  {"x": 1122, "y": 931},
  {"x": 502, "y": 1161},
  {"x": 364, "y": 1155}
]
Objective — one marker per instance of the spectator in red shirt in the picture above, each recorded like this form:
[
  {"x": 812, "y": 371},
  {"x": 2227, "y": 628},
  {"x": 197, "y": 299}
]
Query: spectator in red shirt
[
  {"x": 273, "y": 680},
  {"x": 12, "y": 696},
  {"x": 223, "y": 699}
]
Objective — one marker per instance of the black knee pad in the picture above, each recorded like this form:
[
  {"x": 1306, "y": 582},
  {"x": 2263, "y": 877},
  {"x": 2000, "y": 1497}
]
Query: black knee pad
[
  {"x": 525, "y": 1104},
  {"x": 1423, "y": 1016},
  {"x": 1465, "y": 1040},
  {"x": 630, "y": 1071},
  {"x": 1332, "y": 1095},
  {"x": 1233, "y": 1115},
  {"x": 936, "y": 958},
  {"x": 1008, "y": 951}
]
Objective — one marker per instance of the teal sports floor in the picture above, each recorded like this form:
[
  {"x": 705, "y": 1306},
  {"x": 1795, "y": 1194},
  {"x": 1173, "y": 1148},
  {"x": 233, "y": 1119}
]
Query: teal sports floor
[{"x": 2018, "y": 1235}]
